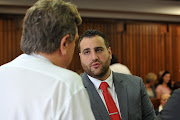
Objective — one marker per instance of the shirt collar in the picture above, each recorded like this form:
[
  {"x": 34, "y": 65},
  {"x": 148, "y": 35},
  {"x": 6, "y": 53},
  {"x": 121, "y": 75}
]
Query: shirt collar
[
  {"x": 97, "y": 82},
  {"x": 40, "y": 56}
]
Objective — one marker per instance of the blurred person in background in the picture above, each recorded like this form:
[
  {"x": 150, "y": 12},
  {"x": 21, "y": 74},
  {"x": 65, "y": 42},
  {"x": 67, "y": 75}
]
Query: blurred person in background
[
  {"x": 118, "y": 67},
  {"x": 164, "y": 86},
  {"x": 151, "y": 79},
  {"x": 171, "y": 108},
  {"x": 164, "y": 99}
]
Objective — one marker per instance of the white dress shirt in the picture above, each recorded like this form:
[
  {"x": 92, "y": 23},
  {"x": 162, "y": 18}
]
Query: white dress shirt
[
  {"x": 111, "y": 89},
  {"x": 32, "y": 88}
]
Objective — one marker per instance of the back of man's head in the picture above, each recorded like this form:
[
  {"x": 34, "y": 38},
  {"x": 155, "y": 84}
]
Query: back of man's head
[{"x": 46, "y": 23}]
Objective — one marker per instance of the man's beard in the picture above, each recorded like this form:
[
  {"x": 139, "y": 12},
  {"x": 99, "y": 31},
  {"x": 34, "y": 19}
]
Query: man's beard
[{"x": 103, "y": 71}]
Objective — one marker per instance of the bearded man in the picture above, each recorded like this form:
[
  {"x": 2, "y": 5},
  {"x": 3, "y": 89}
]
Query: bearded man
[{"x": 113, "y": 96}]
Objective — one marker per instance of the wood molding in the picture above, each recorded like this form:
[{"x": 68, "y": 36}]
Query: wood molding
[{"x": 93, "y": 13}]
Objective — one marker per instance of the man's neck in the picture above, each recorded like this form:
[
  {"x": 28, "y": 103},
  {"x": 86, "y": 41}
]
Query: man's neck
[
  {"x": 105, "y": 76},
  {"x": 54, "y": 58}
]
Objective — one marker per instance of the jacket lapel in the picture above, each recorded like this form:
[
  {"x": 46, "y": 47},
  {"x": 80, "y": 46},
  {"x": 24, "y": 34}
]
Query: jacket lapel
[
  {"x": 96, "y": 101},
  {"x": 121, "y": 91}
]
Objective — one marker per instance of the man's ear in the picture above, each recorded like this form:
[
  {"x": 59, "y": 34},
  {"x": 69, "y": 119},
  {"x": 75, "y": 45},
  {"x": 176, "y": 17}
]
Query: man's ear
[
  {"x": 110, "y": 52},
  {"x": 64, "y": 43}
]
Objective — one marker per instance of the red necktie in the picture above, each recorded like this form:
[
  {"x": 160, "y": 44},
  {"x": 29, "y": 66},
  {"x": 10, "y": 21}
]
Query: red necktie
[{"x": 113, "y": 111}]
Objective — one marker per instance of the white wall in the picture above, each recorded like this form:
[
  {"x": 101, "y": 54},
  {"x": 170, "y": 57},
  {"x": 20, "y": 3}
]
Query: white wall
[
  {"x": 149, "y": 6},
  {"x": 17, "y": 2},
  {"x": 164, "y": 10}
]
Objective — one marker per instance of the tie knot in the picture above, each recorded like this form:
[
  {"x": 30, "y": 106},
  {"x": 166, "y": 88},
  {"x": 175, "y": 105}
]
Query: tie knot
[{"x": 104, "y": 86}]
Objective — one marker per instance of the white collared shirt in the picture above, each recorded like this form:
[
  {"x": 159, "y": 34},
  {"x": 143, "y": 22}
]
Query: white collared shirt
[
  {"x": 33, "y": 88},
  {"x": 111, "y": 89}
]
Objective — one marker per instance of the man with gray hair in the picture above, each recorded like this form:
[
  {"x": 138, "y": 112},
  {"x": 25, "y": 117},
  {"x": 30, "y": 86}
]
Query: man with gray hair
[{"x": 37, "y": 85}]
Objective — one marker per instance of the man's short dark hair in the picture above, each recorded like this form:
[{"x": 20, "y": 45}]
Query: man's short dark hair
[{"x": 91, "y": 33}]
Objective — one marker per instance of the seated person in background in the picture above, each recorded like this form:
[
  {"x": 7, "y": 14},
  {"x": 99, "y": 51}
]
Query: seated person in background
[
  {"x": 159, "y": 77},
  {"x": 160, "y": 74},
  {"x": 171, "y": 108},
  {"x": 151, "y": 78},
  {"x": 117, "y": 67},
  {"x": 163, "y": 100},
  {"x": 164, "y": 86}
]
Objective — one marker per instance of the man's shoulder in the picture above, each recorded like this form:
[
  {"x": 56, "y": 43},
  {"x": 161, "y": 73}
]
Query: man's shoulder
[
  {"x": 68, "y": 78},
  {"x": 128, "y": 80},
  {"x": 126, "y": 77},
  {"x": 177, "y": 91},
  {"x": 65, "y": 74},
  {"x": 45, "y": 69}
]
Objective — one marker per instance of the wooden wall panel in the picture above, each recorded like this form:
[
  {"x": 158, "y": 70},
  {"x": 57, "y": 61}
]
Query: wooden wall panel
[
  {"x": 1, "y": 41},
  {"x": 10, "y": 35},
  {"x": 174, "y": 37},
  {"x": 177, "y": 53},
  {"x": 146, "y": 48},
  {"x": 142, "y": 46}
]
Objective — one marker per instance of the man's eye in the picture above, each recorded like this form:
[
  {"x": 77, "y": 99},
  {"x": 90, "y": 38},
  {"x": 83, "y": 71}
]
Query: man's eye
[
  {"x": 98, "y": 50},
  {"x": 86, "y": 52}
]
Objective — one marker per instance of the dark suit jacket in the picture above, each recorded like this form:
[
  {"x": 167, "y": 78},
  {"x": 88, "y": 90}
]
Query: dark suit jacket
[
  {"x": 157, "y": 111},
  {"x": 132, "y": 96},
  {"x": 171, "y": 110}
]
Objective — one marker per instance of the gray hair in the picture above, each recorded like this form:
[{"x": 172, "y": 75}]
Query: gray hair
[{"x": 46, "y": 23}]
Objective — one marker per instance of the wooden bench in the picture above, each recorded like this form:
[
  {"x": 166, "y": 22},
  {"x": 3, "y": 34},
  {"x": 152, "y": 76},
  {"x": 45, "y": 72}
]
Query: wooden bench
[{"x": 155, "y": 102}]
